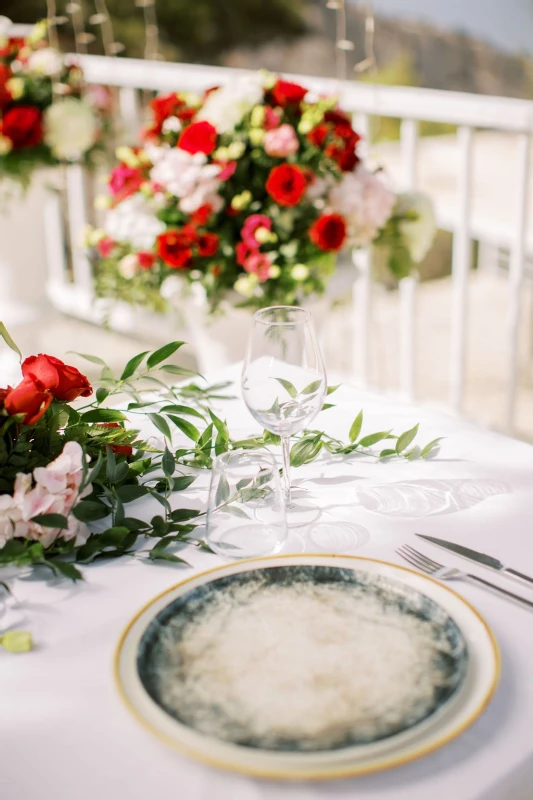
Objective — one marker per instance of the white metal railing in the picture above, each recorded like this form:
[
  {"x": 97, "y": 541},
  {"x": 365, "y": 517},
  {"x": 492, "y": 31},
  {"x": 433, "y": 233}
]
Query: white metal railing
[{"x": 411, "y": 106}]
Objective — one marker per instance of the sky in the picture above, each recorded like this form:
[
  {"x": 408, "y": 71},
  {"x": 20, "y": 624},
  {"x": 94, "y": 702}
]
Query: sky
[{"x": 508, "y": 24}]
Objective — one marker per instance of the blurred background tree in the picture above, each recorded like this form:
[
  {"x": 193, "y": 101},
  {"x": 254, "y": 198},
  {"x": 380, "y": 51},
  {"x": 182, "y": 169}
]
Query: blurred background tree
[{"x": 190, "y": 30}]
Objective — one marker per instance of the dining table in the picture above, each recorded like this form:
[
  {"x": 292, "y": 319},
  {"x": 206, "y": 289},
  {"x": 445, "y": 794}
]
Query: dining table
[{"x": 64, "y": 731}]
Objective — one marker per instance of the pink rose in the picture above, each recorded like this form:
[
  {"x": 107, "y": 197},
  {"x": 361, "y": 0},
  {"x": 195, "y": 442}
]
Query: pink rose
[
  {"x": 251, "y": 225},
  {"x": 124, "y": 181},
  {"x": 258, "y": 264},
  {"x": 272, "y": 119},
  {"x": 281, "y": 142}
]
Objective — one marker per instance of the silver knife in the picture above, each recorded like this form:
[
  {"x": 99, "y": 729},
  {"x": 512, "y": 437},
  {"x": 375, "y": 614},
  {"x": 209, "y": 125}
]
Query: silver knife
[{"x": 479, "y": 558}]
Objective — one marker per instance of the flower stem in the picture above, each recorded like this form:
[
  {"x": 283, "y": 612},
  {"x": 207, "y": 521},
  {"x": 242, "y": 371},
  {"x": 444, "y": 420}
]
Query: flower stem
[{"x": 286, "y": 453}]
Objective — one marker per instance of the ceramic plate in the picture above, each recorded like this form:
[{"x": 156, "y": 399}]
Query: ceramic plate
[{"x": 307, "y": 666}]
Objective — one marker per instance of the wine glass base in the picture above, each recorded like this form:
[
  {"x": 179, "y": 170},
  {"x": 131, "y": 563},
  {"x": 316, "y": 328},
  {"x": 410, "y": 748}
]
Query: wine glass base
[
  {"x": 300, "y": 514},
  {"x": 335, "y": 537}
]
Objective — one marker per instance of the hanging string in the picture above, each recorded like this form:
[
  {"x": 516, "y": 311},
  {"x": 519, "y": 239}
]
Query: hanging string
[
  {"x": 344, "y": 45},
  {"x": 151, "y": 48},
  {"x": 103, "y": 19},
  {"x": 81, "y": 37}
]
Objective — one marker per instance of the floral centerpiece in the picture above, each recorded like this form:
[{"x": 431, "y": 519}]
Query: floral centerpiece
[
  {"x": 252, "y": 188},
  {"x": 46, "y": 115}
]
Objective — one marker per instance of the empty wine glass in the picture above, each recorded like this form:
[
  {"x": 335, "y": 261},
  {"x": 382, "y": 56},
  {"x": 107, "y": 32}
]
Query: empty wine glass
[{"x": 284, "y": 384}]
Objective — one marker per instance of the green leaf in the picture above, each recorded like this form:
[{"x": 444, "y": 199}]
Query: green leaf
[
  {"x": 430, "y": 447},
  {"x": 68, "y": 570},
  {"x": 121, "y": 472},
  {"x": 223, "y": 491},
  {"x": 90, "y": 510},
  {"x": 387, "y": 453},
  {"x": 326, "y": 406},
  {"x": 288, "y": 386},
  {"x": 332, "y": 389},
  {"x": 236, "y": 512},
  {"x": 168, "y": 463},
  {"x": 183, "y": 514},
  {"x": 190, "y": 430},
  {"x": 114, "y": 537},
  {"x": 132, "y": 365},
  {"x": 183, "y": 482},
  {"x": 355, "y": 430},
  {"x": 51, "y": 521},
  {"x": 92, "y": 359},
  {"x": 412, "y": 455},
  {"x": 172, "y": 369},
  {"x": 101, "y": 394},
  {"x": 161, "y": 424},
  {"x": 313, "y": 387},
  {"x": 9, "y": 341},
  {"x": 103, "y": 415},
  {"x": 306, "y": 450},
  {"x": 373, "y": 438},
  {"x": 111, "y": 465},
  {"x": 406, "y": 438},
  {"x": 177, "y": 409},
  {"x": 95, "y": 470},
  {"x": 162, "y": 555},
  {"x": 131, "y": 491},
  {"x": 163, "y": 353}
]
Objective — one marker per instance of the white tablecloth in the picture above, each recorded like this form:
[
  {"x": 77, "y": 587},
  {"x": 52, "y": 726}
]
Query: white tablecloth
[{"x": 64, "y": 733}]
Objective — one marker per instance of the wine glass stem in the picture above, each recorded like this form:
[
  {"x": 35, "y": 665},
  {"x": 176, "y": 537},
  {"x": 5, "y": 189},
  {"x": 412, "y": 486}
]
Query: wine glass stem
[{"x": 286, "y": 453}]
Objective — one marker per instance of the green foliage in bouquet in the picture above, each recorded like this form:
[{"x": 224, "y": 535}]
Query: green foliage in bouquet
[{"x": 70, "y": 475}]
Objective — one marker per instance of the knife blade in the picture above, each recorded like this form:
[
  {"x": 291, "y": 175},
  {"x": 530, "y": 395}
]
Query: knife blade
[{"x": 478, "y": 558}]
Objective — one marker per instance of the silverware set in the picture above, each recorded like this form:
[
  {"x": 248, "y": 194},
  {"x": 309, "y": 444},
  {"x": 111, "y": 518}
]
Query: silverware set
[{"x": 445, "y": 573}]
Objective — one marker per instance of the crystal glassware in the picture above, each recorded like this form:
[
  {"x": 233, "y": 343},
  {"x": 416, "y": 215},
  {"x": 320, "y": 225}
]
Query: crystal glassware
[
  {"x": 284, "y": 384},
  {"x": 245, "y": 511}
]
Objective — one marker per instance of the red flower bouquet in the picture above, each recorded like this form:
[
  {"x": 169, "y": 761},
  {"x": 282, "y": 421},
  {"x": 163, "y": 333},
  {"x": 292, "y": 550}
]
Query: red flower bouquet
[
  {"x": 252, "y": 188},
  {"x": 44, "y": 117}
]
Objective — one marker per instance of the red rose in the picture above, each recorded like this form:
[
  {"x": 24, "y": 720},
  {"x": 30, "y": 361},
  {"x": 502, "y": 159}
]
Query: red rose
[
  {"x": 23, "y": 125},
  {"x": 166, "y": 106},
  {"x": 29, "y": 398},
  {"x": 286, "y": 93},
  {"x": 3, "y": 395},
  {"x": 63, "y": 381},
  {"x": 345, "y": 157},
  {"x": 328, "y": 232},
  {"x": 318, "y": 135},
  {"x": 286, "y": 184},
  {"x": 207, "y": 244},
  {"x": 125, "y": 449},
  {"x": 202, "y": 214},
  {"x": 5, "y": 96},
  {"x": 175, "y": 248},
  {"x": 200, "y": 137},
  {"x": 146, "y": 260},
  {"x": 105, "y": 246}
]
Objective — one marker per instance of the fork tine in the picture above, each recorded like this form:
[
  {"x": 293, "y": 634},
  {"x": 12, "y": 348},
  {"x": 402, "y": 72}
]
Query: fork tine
[
  {"x": 429, "y": 561},
  {"x": 406, "y": 551},
  {"x": 413, "y": 563}
]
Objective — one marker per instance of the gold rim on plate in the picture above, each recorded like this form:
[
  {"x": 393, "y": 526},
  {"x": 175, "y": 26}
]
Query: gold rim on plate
[{"x": 333, "y": 772}]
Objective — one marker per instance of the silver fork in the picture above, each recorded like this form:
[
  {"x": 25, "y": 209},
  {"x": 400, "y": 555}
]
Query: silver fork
[{"x": 443, "y": 573}]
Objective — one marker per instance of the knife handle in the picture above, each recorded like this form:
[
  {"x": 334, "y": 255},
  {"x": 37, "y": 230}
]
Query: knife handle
[
  {"x": 496, "y": 588},
  {"x": 517, "y": 574}
]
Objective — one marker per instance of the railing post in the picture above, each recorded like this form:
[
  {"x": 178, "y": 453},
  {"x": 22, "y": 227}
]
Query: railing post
[
  {"x": 129, "y": 112},
  {"x": 78, "y": 219},
  {"x": 516, "y": 277},
  {"x": 361, "y": 314},
  {"x": 408, "y": 286},
  {"x": 461, "y": 258}
]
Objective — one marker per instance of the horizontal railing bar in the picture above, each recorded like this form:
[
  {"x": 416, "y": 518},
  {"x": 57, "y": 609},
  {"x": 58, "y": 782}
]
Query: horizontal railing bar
[{"x": 434, "y": 105}]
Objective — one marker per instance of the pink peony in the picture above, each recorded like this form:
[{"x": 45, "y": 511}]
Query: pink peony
[
  {"x": 272, "y": 119},
  {"x": 124, "y": 181},
  {"x": 53, "y": 489},
  {"x": 281, "y": 142},
  {"x": 258, "y": 264},
  {"x": 366, "y": 203},
  {"x": 251, "y": 225}
]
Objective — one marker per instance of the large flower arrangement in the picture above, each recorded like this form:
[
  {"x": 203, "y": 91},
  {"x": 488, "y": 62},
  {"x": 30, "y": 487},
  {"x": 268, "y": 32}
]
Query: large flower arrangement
[
  {"x": 46, "y": 117},
  {"x": 69, "y": 462},
  {"x": 253, "y": 187}
]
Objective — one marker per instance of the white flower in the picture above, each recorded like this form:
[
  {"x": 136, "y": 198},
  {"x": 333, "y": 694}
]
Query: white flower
[
  {"x": 173, "y": 287},
  {"x": 225, "y": 107},
  {"x": 299, "y": 272},
  {"x": 53, "y": 489},
  {"x": 186, "y": 176},
  {"x": 128, "y": 266},
  {"x": 70, "y": 128},
  {"x": 418, "y": 233},
  {"x": 365, "y": 202},
  {"x": 134, "y": 221},
  {"x": 171, "y": 125},
  {"x": 5, "y": 26},
  {"x": 46, "y": 61}
]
